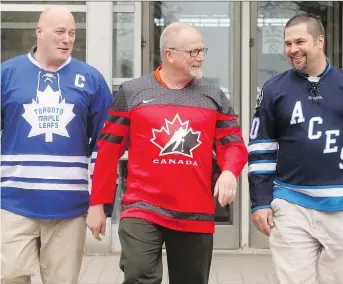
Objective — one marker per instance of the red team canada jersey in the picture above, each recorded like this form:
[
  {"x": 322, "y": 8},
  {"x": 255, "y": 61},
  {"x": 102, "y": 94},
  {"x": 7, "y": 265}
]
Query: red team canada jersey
[{"x": 171, "y": 135}]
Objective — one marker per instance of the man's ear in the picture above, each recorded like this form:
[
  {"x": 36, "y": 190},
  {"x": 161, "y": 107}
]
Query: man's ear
[
  {"x": 321, "y": 41},
  {"x": 39, "y": 32}
]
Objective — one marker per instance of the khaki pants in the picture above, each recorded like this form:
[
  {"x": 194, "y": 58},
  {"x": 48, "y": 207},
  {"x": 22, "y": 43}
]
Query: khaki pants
[
  {"x": 306, "y": 244},
  {"x": 58, "y": 245}
]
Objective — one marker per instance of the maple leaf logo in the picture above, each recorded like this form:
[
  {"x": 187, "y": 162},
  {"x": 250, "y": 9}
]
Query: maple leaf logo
[
  {"x": 48, "y": 115},
  {"x": 176, "y": 138}
]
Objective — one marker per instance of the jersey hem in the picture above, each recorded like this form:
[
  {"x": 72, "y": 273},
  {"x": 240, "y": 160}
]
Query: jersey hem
[
  {"x": 38, "y": 216},
  {"x": 192, "y": 226},
  {"x": 316, "y": 203}
]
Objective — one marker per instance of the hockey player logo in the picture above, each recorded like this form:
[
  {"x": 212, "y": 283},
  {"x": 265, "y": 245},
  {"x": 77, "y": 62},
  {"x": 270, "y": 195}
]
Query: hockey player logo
[
  {"x": 48, "y": 113},
  {"x": 176, "y": 138}
]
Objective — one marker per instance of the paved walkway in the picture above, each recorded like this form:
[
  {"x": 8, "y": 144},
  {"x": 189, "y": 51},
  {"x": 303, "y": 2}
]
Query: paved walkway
[{"x": 227, "y": 268}]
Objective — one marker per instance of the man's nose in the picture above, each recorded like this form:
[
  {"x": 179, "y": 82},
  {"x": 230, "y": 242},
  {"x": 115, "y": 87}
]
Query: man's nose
[
  {"x": 67, "y": 38},
  {"x": 200, "y": 57},
  {"x": 294, "y": 49}
]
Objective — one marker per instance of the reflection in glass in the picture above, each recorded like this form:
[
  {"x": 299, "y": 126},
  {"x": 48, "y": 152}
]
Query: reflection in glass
[
  {"x": 121, "y": 181},
  {"x": 118, "y": 3},
  {"x": 123, "y": 47},
  {"x": 18, "y": 34},
  {"x": 213, "y": 21},
  {"x": 272, "y": 18},
  {"x": 47, "y": 2}
]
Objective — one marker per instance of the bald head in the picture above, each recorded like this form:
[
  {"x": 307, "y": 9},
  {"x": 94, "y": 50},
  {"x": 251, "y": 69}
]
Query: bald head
[
  {"x": 53, "y": 14},
  {"x": 55, "y": 34},
  {"x": 173, "y": 34}
]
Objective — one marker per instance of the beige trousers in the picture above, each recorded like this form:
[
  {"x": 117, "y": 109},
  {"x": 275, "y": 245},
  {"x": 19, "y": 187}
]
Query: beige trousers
[
  {"x": 58, "y": 245},
  {"x": 306, "y": 244}
]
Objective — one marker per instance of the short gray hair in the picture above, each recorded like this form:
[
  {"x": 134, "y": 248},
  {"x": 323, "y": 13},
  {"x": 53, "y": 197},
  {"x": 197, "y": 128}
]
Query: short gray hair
[{"x": 169, "y": 35}]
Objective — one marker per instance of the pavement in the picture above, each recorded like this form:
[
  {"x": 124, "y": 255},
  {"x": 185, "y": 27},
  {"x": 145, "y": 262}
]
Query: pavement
[{"x": 233, "y": 267}]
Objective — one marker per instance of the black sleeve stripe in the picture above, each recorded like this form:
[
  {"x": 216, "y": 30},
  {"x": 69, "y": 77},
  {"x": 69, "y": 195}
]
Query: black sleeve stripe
[
  {"x": 226, "y": 123},
  {"x": 111, "y": 138},
  {"x": 229, "y": 139},
  {"x": 118, "y": 119},
  {"x": 253, "y": 157}
]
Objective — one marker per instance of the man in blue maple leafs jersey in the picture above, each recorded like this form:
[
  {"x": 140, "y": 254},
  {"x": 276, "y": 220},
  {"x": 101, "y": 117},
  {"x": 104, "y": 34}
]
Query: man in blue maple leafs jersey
[
  {"x": 53, "y": 107},
  {"x": 296, "y": 160}
]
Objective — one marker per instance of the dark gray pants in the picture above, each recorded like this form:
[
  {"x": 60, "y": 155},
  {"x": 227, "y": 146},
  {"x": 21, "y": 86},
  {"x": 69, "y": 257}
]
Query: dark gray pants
[{"x": 189, "y": 255}]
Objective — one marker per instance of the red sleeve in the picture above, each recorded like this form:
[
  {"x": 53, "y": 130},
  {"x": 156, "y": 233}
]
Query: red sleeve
[
  {"x": 111, "y": 146},
  {"x": 231, "y": 151}
]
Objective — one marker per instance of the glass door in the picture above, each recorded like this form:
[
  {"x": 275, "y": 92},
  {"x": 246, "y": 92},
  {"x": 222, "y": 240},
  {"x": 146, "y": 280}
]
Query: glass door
[
  {"x": 126, "y": 65},
  {"x": 219, "y": 27},
  {"x": 267, "y": 53}
]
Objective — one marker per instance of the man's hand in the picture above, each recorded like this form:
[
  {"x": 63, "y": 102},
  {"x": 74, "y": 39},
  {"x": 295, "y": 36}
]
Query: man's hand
[
  {"x": 263, "y": 220},
  {"x": 225, "y": 188},
  {"x": 96, "y": 220}
]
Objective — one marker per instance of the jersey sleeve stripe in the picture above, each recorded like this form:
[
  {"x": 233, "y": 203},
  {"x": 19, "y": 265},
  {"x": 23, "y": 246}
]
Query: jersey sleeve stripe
[
  {"x": 94, "y": 155},
  {"x": 111, "y": 138},
  {"x": 115, "y": 129},
  {"x": 262, "y": 167},
  {"x": 262, "y": 141},
  {"x": 119, "y": 113},
  {"x": 256, "y": 156},
  {"x": 226, "y": 123},
  {"x": 229, "y": 116},
  {"x": 118, "y": 119},
  {"x": 229, "y": 139},
  {"x": 264, "y": 146},
  {"x": 263, "y": 152}
]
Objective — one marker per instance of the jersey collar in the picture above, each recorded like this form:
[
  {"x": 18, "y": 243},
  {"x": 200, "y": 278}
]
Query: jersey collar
[
  {"x": 317, "y": 78},
  {"x": 31, "y": 56}
]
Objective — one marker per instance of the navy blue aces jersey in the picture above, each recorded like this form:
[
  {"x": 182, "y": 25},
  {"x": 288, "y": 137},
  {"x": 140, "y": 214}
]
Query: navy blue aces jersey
[
  {"x": 296, "y": 140},
  {"x": 50, "y": 122}
]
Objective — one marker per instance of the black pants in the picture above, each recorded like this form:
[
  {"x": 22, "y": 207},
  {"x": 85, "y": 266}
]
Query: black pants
[{"x": 189, "y": 255}]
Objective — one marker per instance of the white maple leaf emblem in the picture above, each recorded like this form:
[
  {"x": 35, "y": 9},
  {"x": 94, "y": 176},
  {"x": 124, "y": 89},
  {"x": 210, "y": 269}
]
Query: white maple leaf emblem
[{"x": 47, "y": 115}]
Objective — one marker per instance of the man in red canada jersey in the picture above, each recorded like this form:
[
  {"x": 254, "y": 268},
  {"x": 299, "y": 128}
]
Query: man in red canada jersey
[{"x": 173, "y": 120}]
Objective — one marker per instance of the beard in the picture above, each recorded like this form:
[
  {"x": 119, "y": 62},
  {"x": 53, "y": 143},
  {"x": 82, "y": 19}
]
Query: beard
[
  {"x": 196, "y": 73},
  {"x": 300, "y": 66}
]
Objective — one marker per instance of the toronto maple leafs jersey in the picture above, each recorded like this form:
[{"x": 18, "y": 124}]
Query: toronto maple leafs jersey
[
  {"x": 171, "y": 136},
  {"x": 295, "y": 149},
  {"x": 50, "y": 122}
]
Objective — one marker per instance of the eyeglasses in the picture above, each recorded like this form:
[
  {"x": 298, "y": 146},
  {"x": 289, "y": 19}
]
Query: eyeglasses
[{"x": 193, "y": 52}]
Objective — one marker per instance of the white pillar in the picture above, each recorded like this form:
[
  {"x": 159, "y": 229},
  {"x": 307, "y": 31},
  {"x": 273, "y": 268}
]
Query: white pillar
[
  {"x": 245, "y": 115},
  {"x": 99, "y": 55}
]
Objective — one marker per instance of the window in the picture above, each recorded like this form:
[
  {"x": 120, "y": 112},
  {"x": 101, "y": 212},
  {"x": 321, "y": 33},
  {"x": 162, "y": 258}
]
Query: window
[
  {"x": 213, "y": 19},
  {"x": 18, "y": 34},
  {"x": 123, "y": 47},
  {"x": 46, "y": 2}
]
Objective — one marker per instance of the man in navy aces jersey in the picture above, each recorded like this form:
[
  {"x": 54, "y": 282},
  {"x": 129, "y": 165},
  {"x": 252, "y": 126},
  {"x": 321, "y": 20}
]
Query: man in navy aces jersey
[
  {"x": 52, "y": 110},
  {"x": 173, "y": 119},
  {"x": 296, "y": 160}
]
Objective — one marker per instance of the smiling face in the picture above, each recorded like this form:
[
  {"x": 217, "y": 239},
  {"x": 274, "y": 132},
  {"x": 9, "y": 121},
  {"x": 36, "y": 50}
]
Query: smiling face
[
  {"x": 56, "y": 35},
  {"x": 302, "y": 48},
  {"x": 184, "y": 55}
]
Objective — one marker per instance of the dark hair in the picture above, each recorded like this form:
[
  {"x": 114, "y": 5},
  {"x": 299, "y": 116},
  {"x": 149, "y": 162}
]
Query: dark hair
[{"x": 314, "y": 25}]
